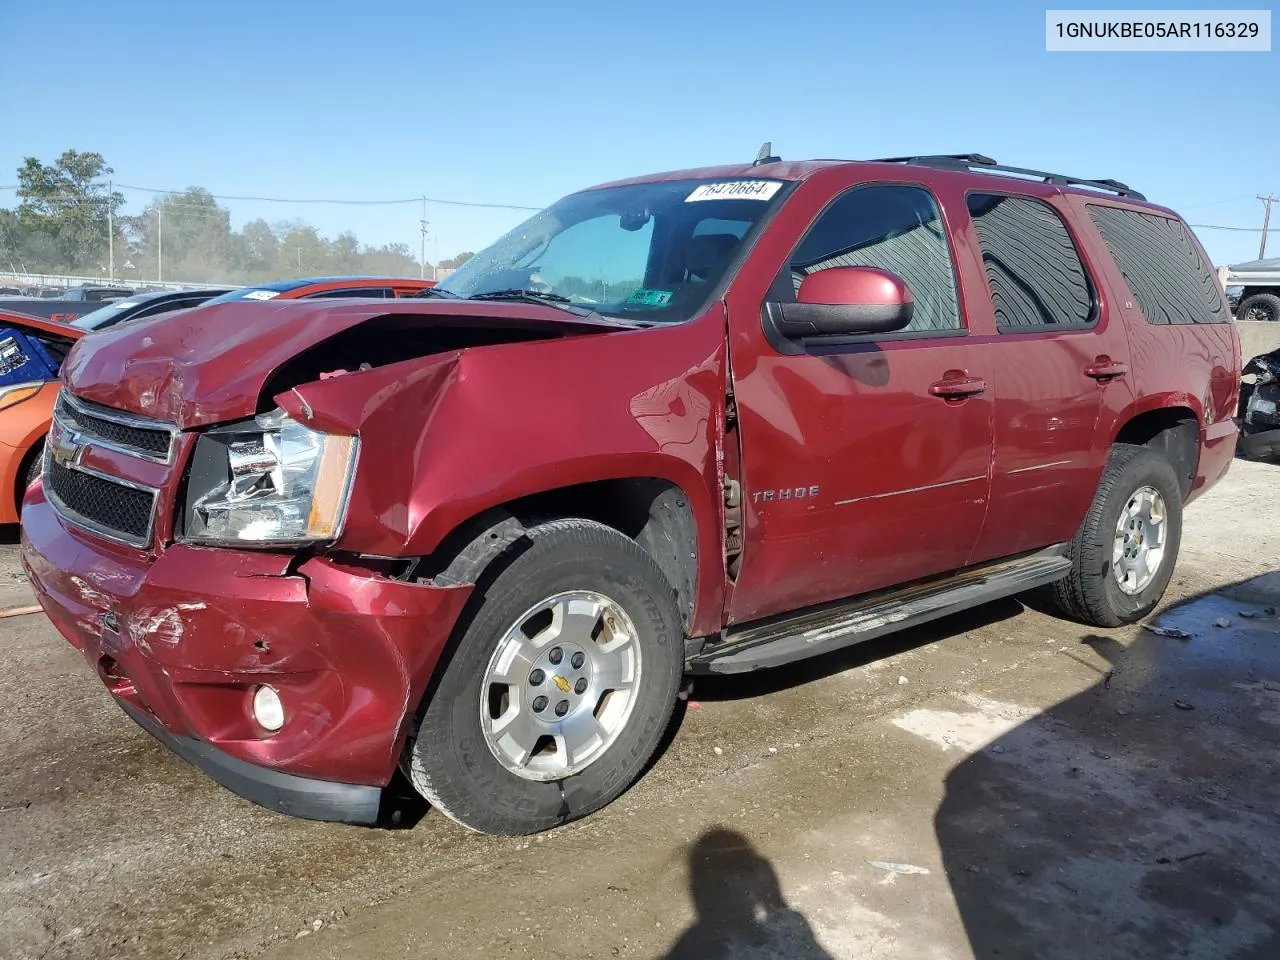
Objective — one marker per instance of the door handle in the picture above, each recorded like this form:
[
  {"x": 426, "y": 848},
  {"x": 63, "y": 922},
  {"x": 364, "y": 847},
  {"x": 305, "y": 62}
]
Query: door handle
[
  {"x": 1104, "y": 368},
  {"x": 958, "y": 389}
]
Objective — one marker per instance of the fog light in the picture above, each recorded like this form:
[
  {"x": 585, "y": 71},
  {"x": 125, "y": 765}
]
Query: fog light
[{"x": 267, "y": 708}]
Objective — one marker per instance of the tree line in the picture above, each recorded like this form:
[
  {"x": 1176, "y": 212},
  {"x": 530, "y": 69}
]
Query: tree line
[{"x": 60, "y": 226}]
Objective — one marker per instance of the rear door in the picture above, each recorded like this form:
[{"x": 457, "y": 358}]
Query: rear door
[
  {"x": 862, "y": 467},
  {"x": 1060, "y": 356}
]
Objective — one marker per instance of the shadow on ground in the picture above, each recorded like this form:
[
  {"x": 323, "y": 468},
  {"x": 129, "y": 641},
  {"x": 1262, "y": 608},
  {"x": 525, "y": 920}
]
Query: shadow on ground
[
  {"x": 1140, "y": 818},
  {"x": 738, "y": 905}
]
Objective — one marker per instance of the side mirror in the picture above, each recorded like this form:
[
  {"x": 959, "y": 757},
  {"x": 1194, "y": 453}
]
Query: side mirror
[{"x": 841, "y": 301}]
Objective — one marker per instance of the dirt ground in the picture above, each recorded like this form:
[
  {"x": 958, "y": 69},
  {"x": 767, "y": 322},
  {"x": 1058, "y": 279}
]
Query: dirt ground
[{"x": 999, "y": 784}]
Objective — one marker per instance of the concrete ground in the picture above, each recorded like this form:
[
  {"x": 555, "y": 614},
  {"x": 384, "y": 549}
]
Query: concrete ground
[{"x": 1000, "y": 784}]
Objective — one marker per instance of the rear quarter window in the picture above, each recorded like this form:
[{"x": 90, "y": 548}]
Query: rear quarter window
[
  {"x": 1162, "y": 266},
  {"x": 375, "y": 293}
]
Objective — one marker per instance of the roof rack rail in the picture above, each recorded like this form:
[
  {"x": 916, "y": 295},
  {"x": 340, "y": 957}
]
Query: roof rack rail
[
  {"x": 962, "y": 159},
  {"x": 969, "y": 161}
]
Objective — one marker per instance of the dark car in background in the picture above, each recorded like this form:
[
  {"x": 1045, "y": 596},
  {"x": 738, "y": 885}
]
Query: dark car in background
[
  {"x": 145, "y": 305},
  {"x": 67, "y": 309},
  {"x": 62, "y": 311},
  {"x": 95, "y": 294},
  {"x": 66, "y": 305}
]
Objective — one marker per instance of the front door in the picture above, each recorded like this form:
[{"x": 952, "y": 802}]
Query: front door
[{"x": 865, "y": 460}]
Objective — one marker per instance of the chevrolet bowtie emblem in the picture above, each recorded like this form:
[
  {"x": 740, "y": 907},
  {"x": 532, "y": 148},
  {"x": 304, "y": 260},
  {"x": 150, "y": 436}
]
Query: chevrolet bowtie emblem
[
  {"x": 66, "y": 446},
  {"x": 561, "y": 683}
]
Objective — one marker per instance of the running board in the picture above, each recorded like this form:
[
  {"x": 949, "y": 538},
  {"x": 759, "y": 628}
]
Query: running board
[{"x": 779, "y": 640}]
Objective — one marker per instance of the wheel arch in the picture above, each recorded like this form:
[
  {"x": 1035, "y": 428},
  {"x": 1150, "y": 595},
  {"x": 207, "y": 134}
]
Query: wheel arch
[
  {"x": 1172, "y": 430},
  {"x": 22, "y": 431},
  {"x": 655, "y": 512},
  {"x": 24, "y": 464}
]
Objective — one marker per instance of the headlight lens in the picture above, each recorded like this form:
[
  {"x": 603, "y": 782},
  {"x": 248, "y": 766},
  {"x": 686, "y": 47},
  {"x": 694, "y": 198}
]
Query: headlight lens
[{"x": 271, "y": 480}]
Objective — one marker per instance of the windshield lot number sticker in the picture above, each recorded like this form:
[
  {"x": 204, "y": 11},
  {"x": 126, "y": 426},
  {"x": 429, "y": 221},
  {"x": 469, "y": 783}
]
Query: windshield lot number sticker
[
  {"x": 650, "y": 298},
  {"x": 735, "y": 190}
]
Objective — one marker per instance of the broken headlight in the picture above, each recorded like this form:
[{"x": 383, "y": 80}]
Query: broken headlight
[{"x": 268, "y": 481}]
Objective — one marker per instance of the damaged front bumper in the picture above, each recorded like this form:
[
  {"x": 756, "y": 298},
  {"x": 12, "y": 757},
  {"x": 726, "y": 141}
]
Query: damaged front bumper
[{"x": 184, "y": 638}]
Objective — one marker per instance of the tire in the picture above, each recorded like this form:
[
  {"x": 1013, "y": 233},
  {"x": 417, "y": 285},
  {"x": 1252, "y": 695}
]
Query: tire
[
  {"x": 28, "y": 473},
  {"x": 34, "y": 468},
  {"x": 1092, "y": 592},
  {"x": 452, "y": 759},
  {"x": 1265, "y": 305}
]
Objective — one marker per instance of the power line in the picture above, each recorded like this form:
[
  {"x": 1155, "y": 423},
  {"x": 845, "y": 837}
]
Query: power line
[
  {"x": 1210, "y": 226},
  {"x": 475, "y": 204},
  {"x": 328, "y": 200},
  {"x": 367, "y": 203},
  {"x": 1211, "y": 203}
]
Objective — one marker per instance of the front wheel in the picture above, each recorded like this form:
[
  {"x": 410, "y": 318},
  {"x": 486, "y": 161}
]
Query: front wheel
[
  {"x": 1123, "y": 556},
  {"x": 560, "y": 687}
]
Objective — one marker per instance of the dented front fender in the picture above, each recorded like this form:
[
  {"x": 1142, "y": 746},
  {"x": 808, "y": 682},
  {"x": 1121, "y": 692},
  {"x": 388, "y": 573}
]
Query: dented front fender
[{"x": 447, "y": 437}]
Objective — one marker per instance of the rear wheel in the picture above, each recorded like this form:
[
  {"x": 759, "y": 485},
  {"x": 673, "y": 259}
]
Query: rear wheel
[
  {"x": 1123, "y": 556},
  {"x": 1260, "y": 306},
  {"x": 560, "y": 688}
]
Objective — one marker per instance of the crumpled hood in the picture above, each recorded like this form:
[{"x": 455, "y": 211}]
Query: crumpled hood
[{"x": 210, "y": 364}]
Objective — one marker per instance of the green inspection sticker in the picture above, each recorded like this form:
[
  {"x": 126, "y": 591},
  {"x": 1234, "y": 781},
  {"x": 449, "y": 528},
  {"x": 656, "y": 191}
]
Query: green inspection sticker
[{"x": 650, "y": 298}]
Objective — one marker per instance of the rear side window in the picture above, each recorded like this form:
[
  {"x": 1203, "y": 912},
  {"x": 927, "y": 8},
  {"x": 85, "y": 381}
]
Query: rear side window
[
  {"x": 1162, "y": 266},
  {"x": 1036, "y": 276},
  {"x": 375, "y": 293},
  {"x": 895, "y": 228}
]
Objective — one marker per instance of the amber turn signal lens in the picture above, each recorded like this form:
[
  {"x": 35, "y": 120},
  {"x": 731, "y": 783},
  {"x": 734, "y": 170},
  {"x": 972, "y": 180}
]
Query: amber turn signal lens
[
  {"x": 329, "y": 499},
  {"x": 12, "y": 396}
]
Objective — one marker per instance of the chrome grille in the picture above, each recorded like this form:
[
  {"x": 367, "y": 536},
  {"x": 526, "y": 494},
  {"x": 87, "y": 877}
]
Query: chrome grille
[
  {"x": 150, "y": 439},
  {"x": 100, "y": 504},
  {"x": 113, "y": 507}
]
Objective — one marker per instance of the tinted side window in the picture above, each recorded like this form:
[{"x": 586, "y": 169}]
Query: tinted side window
[
  {"x": 896, "y": 228},
  {"x": 1033, "y": 269},
  {"x": 377, "y": 293},
  {"x": 156, "y": 308},
  {"x": 1162, "y": 266},
  {"x": 169, "y": 306}
]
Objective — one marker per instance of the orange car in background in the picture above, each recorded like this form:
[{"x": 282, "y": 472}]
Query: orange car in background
[{"x": 31, "y": 353}]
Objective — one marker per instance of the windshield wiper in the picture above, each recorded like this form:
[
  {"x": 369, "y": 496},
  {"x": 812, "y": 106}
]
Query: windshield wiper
[
  {"x": 516, "y": 293},
  {"x": 434, "y": 292},
  {"x": 548, "y": 299}
]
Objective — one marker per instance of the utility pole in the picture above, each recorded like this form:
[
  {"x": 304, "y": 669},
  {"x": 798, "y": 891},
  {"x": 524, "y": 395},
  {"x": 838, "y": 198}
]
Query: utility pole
[
  {"x": 160, "y": 242},
  {"x": 422, "y": 226},
  {"x": 110, "y": 232},
  {"x": 1267, "y": 201}
]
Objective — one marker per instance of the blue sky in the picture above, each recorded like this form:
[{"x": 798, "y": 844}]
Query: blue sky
[{"x": 522, "y": 102}]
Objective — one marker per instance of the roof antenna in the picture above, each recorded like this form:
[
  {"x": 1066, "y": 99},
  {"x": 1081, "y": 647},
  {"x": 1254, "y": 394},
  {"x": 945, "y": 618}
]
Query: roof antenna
[{"x": 766, "y": 154}]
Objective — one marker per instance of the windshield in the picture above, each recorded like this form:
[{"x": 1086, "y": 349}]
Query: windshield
[{"x": 650, "y": 251}]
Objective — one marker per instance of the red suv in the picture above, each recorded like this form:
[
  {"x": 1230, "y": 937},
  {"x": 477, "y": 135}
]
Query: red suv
[{"x": 698, "y": 422}]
